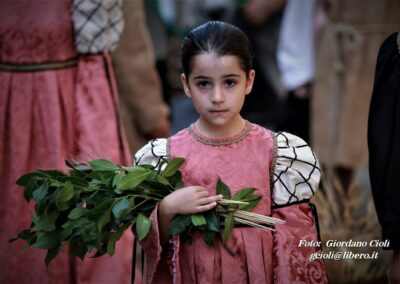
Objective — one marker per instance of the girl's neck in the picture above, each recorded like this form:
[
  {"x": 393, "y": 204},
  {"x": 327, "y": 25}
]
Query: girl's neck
[{"x": 220, "y": 132}]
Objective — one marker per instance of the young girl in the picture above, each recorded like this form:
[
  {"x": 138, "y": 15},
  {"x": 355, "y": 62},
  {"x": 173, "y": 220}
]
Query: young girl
[{"x": 217, "y": 75}]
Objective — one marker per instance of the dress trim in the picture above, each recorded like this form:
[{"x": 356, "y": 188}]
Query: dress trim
[
  {"x": 221, "y": 141},
  {"x": 168, "y": 149},
  {"x": 273, "y": 161},
  {"x": 44, "y": 66}
]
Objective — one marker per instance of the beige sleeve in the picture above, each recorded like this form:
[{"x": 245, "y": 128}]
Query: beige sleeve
[{"x": 137, "y": 80}]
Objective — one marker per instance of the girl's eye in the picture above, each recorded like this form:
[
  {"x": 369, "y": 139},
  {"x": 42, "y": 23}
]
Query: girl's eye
[
  {"x": 203, "y": 84},
  {"x": 230, "y": 82}
]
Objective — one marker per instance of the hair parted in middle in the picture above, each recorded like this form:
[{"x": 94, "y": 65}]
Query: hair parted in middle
[{"x": 220, "y": 38}]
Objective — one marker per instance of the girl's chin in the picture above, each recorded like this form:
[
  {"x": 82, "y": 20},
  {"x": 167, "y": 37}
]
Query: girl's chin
[{"x": 219, "y": 122}]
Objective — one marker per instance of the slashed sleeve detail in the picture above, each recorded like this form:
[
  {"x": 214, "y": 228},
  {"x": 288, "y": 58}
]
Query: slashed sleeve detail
[
  {"x": 295, "y": 180},
  {"x": 154, "y": 153},
  {"x": 296, "y": 172}
]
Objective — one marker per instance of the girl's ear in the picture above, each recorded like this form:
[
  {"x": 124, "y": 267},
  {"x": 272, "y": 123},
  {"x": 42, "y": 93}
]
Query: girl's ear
[
  {"x": 250, "y": 81},
  {"x": 185, "y": 85}
]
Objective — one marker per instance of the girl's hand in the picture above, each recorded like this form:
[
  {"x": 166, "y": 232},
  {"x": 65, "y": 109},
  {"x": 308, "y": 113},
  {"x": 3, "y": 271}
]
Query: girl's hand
[{"x": 188, "y": 200}]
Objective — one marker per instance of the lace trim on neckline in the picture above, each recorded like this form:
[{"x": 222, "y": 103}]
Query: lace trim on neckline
[{"x": 220, "y": 141}]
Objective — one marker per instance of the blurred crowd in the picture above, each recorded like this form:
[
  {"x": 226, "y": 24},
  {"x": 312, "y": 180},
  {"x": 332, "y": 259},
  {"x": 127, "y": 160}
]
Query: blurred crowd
[{"x": 90, "y": 79}]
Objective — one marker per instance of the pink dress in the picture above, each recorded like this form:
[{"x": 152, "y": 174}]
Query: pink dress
[
  {"x": 250, "y": 159},
  {"x": 46, "y": 117}
]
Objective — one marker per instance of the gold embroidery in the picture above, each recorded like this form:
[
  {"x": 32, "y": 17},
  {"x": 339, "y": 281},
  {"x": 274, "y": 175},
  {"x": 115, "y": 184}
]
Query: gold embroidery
[
  {"x": 273, "y": 160},
  {"x": 219, "y": 142}
]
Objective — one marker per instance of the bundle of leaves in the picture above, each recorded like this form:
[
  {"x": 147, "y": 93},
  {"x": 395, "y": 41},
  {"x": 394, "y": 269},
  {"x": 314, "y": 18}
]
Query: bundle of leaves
[{"x": 91, "y": 207}]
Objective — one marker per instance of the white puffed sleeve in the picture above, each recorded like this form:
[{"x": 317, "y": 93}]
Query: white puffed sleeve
[
  {"x": 297, "y": 173},
  {"x": 153, "y": 153}
]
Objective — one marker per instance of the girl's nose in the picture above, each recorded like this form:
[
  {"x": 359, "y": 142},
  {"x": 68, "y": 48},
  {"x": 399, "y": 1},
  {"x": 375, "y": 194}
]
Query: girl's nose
[{"x": 218, "y": 96}]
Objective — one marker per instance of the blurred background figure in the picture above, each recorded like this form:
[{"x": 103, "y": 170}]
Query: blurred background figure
[
  {"x": 343, "y": 82},
  {"x": 58, "y": 100},
  {"x": 296, "y": 61},
  {"x": 261, "y": 21},
  {"x": 144, "y": 113},
  {"x": 384, "y": 146}
]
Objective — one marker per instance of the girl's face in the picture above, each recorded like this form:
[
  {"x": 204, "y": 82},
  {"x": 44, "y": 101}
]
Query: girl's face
[{"x": 217, "y": 86}]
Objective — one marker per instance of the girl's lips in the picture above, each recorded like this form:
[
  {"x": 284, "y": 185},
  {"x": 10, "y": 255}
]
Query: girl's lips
[{"x": 218, "y": 111}]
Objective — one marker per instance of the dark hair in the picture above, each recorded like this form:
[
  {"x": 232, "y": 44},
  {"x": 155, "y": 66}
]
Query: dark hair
[{"x": 218, "y": 37}]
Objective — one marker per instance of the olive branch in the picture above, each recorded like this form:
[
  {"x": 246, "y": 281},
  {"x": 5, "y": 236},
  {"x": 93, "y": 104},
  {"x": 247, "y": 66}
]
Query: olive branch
[{"x": 95, "y": 203}]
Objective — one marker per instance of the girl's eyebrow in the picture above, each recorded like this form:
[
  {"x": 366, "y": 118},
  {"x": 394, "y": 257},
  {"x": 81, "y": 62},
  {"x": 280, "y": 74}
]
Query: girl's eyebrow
[
  {"x": 200, "y": 77},
  {"x": 231, "y": 75},
  {"x": 224, "y": 76}
]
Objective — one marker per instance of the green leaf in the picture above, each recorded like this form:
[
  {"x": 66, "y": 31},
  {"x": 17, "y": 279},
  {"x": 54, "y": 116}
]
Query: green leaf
[
  {"x": 114, "y": 238},
  {"x": 40, "y": 192},
  {"x": 45, "y": 204},
  {"x": 23, "y": 235},
  {"x": 105, "y": 176},
  {"x": 172, "y": 167},
  {"x": 157, "y": 187},
  {"x": 198, "y": 220},
  {"x": 76, "y": 213},
  {"x": 179, "y": 224},
  {"x": 120, "y": 208},
  {"x": 111, "y": 245},
  {"x": 27, "y": 178},
  {"x": 46, "y": 223},
  {"x": 103, "y": 165},
  {"x": 104, "y": 219},
  {"x": 209, "y": 237},
  {"x": 117, "y": 180},
  {"x": 66, "y": 193},
  {"x": 63, "y": 206},
  {"x": 253, "y": 201},
  {"x": 53, "y": 173},
  {"x": 228, "y": 223},
  {"x": 98, "y": 210},
  {"x": 77, "y": 225},
  {"x": 48, "y": 241},
  {"x": 66, "y": 232},
  {"x": 143, "y": 225},
  {"x": 162, "y": 180},
  {"x": 223, "y": 189},
  {"x": 51, "y": 254},
  {"x": 77, "y": 248},
  {"x": 30, "y": 187},
  {"x": 176, "y": 180},
  {"x": 212, "y": 220},
  {"x": 243, "y": 193},
  {"x": 78, "y": 181},
  {"x": 134, "y": 178}
]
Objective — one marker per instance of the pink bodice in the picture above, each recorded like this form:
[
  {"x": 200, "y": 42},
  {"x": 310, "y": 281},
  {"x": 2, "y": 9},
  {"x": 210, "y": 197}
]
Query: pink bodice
[
  {"x": 246, "y": 160},
  {"x": 241, "y": 161},
  {"x": 245, "y": 163}
]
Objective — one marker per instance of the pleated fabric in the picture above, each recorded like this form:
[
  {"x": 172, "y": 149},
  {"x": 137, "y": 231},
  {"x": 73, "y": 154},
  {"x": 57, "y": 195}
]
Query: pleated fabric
[{"x": 46, "y": 117}]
